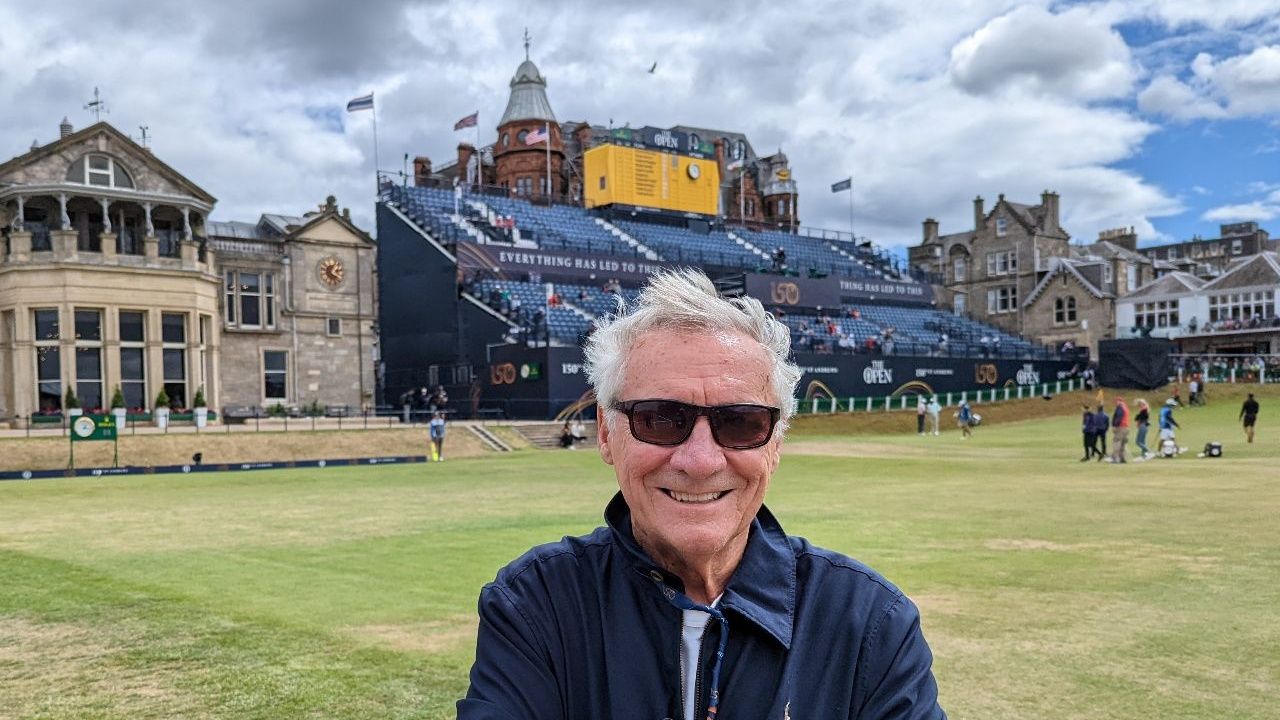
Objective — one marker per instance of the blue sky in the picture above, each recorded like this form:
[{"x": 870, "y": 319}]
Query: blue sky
[{"x": 1158, "y": 114}]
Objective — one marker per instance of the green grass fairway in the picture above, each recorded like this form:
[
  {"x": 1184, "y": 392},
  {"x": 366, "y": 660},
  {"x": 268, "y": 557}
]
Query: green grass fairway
[{"x": 1049, "y": 588}]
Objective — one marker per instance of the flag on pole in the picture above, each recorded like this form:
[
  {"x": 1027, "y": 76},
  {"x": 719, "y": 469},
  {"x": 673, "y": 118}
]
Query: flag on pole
[
  {"x": 364, "y": 102},
  {"x": 536, "y": 137},
  {"x": 845, "y": 184},
  {"x": 468, "y": 121},
  {"x": 734, "y": 165}
]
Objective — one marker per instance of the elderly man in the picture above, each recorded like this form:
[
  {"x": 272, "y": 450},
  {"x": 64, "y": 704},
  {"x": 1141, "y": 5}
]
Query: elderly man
[{"x": 693, "y": 602}]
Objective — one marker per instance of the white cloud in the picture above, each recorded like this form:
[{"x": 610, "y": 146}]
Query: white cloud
[
  {"x": 1246, "y": 85},
  {"x": 1262, "y": 209},
  {"x": 1172, "y": 98},
  {"x": 1068, "y": 54},
  {"x": 872, "y": 90},
  {"x": 1201, "y": 190}
]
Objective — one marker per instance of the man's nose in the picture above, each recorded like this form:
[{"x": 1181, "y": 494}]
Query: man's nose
[{"x": 699, "y": 456}]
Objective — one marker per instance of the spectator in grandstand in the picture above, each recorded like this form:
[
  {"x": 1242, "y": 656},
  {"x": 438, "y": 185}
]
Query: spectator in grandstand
[
  {"x": 921, "y": 409},
  {"x": 1249, "y": 415},
  {"x": 934, "y": 410},
  {"x": 566, "y": 436},
  {"x": 1101, "y": 425},
  {"x": 436, "y": 430},
  {"x": 694, "y": 394},
  {"x": 942, "y": 344},
  {"x": 439, "y": 399},
  {"x": 872, "y": 344},
  {"x": 1120, "y": 430},
  {"x": 1142, "y": 421},
  {"x": 985, "y": 342}
]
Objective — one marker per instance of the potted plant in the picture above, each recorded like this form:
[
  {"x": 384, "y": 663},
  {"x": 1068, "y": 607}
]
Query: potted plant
[
  {"x": 72, "y": 403},
  {"x": 200, "y": 408},
  {"x": 118, "y": 409},
  {"x": 161, "y": 414}
]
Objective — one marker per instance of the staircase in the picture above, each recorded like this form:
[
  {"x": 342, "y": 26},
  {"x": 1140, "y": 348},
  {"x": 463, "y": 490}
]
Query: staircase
[
  {"x": 547, "y": 435},
  {"x": 746, "y": 244},
  {"x": 490, "y": 216},
  {"x": 625, "y": 237},
  {"x": 488, "y": 439}
]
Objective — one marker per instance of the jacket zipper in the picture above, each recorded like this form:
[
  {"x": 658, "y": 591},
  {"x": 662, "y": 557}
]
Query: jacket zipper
[{"x": 698, "y": 710}]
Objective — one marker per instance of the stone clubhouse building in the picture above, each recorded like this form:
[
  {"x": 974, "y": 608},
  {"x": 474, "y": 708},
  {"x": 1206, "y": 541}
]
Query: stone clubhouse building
[{"x": 113, "y": 277}]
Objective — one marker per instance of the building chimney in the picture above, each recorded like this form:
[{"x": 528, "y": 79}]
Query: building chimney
[
  {"x": 465, "y": 152},
  {"x": 583, "y": 135},
  {"x": 1050, "y": 210},
  {"x": 720, "y": 153},
  {"x": 979, "y": 217},
  {"x": 421, "y": 170},
  {"x": 64, "y": 128},
  {"x": 930, "y": 230}
]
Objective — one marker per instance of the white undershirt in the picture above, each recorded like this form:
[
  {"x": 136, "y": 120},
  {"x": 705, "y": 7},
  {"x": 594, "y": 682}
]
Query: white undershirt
[{"x": 693, "y": 626}]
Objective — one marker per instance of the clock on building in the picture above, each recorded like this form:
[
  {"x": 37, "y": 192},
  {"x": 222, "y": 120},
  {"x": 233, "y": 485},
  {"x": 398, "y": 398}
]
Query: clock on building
[
  {"x": 694, "y": 171},
  {"x": 331, "y": 271}
]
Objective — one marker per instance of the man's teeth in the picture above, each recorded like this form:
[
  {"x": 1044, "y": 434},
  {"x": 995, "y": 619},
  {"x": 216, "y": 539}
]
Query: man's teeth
[{"x": 692, "y": 498}]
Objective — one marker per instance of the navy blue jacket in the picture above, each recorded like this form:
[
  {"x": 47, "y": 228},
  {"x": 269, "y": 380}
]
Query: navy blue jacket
[{"x": 584, "y": 628}]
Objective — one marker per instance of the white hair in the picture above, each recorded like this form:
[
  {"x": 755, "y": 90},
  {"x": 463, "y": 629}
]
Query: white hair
[{"x": 685, "y": 300}]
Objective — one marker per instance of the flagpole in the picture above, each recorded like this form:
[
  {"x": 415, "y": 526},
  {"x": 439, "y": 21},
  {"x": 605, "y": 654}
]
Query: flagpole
[
  {"x": 376, "y": 187},
  {"x": 851, "y": 232},
  {"x": 546, "y": 127},
  {"x": 479, "y": 156}
]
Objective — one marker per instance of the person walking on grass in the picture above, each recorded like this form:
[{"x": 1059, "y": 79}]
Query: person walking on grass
[
  {"x": 1249, "y": 414},
  {"x": 964, "y": 418},
  {"x": 1090, "y": 439},
  {"x": 1142, "y": 421},
  {"x": 436, "y": 429},
  {"x": 921, "y": 409},
  {"x": 1120, "y": 428},
  {"x": 934, "y": 410},
  {"x": 1101, "y": 424}
]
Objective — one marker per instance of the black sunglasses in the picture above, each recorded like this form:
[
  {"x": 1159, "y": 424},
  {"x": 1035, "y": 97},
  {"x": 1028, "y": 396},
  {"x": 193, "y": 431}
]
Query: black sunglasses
[{"x": 668, "y": 422}]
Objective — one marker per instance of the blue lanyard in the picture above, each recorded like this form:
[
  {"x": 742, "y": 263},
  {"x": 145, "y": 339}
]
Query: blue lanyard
[{"x": 682, "y": 601}]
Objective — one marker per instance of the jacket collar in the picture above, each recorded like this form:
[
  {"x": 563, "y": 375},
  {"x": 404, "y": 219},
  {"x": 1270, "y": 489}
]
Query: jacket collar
[{"x": 762, "y": 589}]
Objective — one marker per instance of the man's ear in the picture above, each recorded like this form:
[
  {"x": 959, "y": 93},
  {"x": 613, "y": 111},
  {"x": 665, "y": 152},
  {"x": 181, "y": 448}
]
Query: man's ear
[{"x": 602, "y": 435}]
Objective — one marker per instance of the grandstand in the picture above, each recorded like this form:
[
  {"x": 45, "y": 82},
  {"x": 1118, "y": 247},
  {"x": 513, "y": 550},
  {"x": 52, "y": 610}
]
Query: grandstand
[{"x": 526, "y": 279}]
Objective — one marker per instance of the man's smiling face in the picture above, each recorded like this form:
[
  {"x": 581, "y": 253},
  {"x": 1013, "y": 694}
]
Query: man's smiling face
[{"x": 695, "y": 500}]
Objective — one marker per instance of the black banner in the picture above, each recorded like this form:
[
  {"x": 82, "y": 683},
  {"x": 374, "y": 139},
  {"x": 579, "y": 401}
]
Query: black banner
[
  {"x": 550, "y": 262},
  {"x": 1142, "y": 363},
  {"x": 830, "y": 292},
  {"x": 845, "y": 376}
]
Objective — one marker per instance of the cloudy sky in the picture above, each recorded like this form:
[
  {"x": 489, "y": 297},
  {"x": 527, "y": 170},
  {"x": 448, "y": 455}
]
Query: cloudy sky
[{"x": 1160, "y": 114}]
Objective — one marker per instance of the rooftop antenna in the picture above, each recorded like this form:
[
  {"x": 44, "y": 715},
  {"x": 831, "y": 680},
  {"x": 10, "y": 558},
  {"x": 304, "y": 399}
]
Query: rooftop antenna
[
  {"x": 144, "y": 129},
  {"x": 97, "y": 107},
  {"x": 526, "y": 43}
]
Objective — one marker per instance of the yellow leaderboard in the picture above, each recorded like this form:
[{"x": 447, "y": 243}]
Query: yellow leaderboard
[{"x": 648, "y": 178}]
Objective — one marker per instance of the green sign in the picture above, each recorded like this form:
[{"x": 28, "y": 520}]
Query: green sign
[
  {"x": 530, "y": 371},
  {"x": 93, "y": 427}
]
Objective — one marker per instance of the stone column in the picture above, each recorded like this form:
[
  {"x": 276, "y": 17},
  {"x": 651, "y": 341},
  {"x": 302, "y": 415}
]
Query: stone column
[
  {"x": 22, "y": 216},
  {"x": 62, "y": 209},
  {"x": 186, "y": 223},
  {"x": 107, "y": 240},
  {"x": 150, "y": 243}
]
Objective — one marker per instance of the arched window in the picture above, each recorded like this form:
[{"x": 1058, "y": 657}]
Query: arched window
[
  {"x": 520, "y": 136},
  {"x": 99, "y": 171},
  {"x": 739, "y": 149}
]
